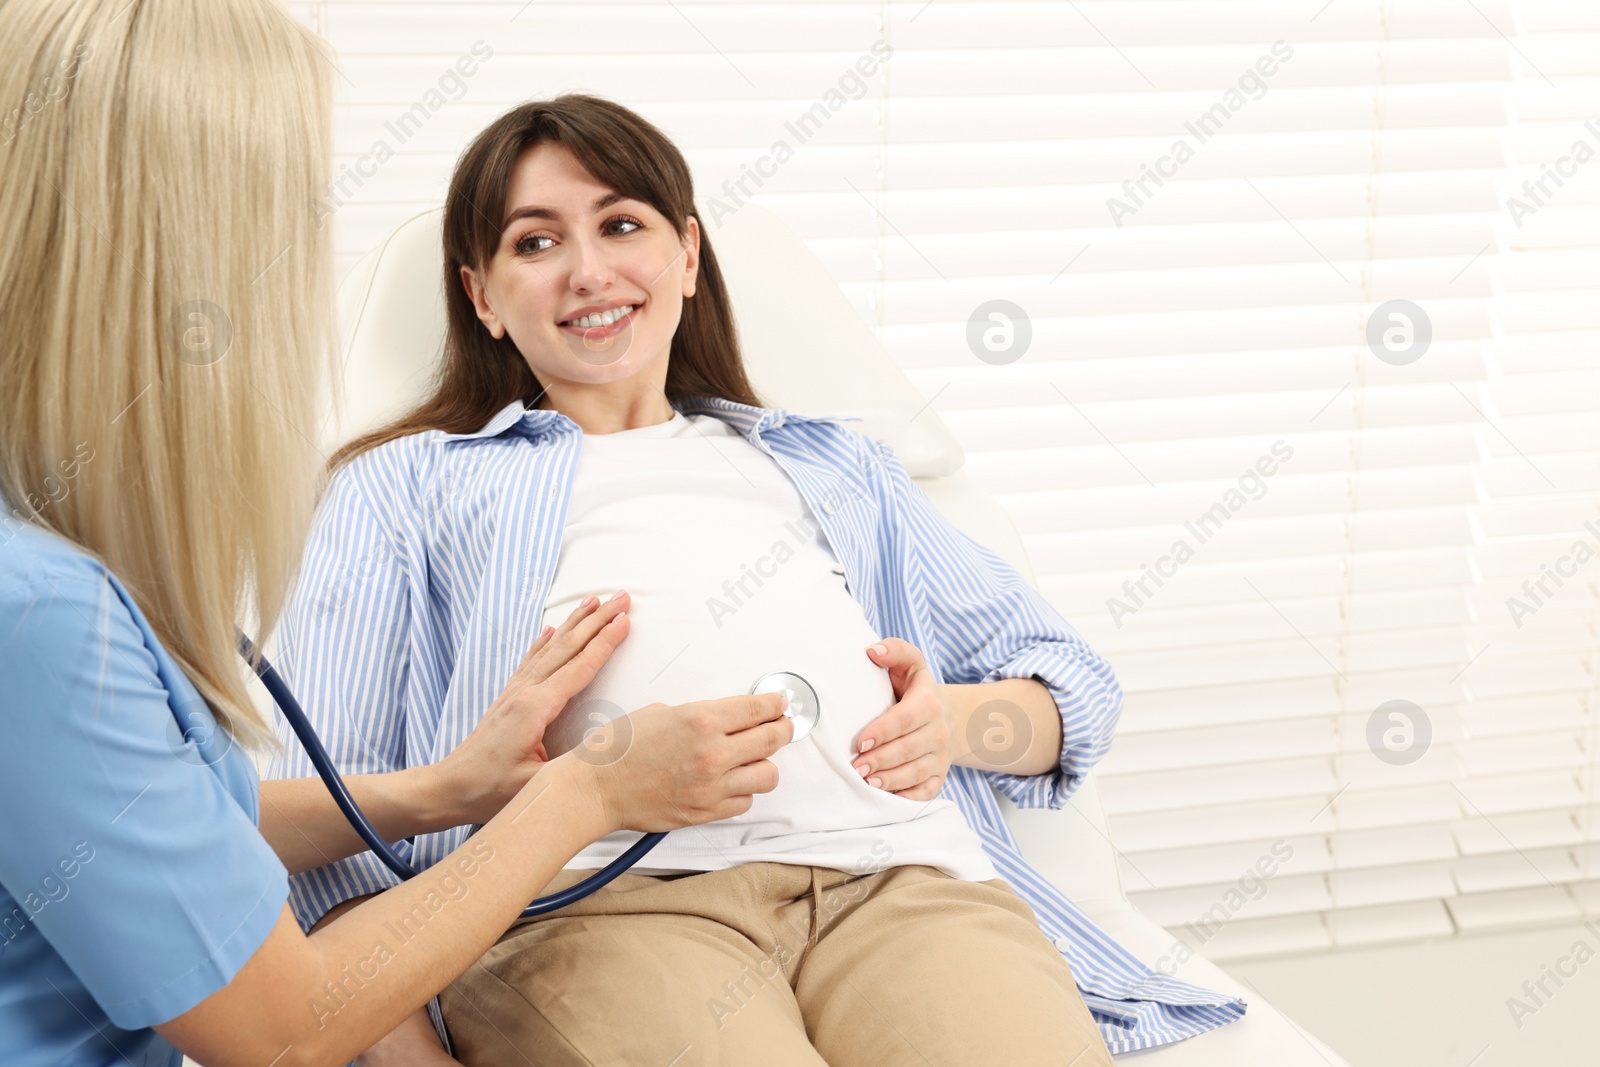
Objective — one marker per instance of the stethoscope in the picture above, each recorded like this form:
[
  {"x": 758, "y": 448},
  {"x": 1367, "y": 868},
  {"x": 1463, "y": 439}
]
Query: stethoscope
[{"x": 803, "y": 709}]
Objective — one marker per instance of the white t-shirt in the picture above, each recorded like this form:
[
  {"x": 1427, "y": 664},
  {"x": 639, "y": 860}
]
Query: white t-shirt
[{"x": 731, "y": 578}]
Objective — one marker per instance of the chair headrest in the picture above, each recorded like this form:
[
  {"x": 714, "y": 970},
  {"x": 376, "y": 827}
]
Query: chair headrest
[{"x": 805, "y": 348}]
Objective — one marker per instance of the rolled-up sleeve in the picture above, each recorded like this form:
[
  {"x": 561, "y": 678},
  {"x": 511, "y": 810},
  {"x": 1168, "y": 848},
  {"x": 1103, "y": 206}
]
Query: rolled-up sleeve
[
  {"x": 342, "y": 649},
  {"x": 988, "y": 623}
]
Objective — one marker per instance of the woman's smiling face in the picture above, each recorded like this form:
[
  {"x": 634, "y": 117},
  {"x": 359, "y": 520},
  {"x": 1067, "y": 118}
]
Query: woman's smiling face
[{"x": 571, "y": 247}]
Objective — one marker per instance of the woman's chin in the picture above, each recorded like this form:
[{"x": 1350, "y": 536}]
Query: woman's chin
[{"x": 578, "y": 363}]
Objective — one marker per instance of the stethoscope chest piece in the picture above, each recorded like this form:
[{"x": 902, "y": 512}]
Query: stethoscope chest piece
[{"x": 804, "y": 708}]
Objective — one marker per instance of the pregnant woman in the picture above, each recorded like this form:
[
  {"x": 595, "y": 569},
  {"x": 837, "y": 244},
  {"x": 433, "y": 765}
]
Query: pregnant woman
[{"x": 593, "y": 443}]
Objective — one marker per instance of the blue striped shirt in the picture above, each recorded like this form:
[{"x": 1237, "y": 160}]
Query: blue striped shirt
[{"x": 424, "y": 584}]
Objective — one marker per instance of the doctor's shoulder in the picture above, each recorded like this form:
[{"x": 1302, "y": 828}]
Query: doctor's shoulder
[
  {"x": 57, "y": 599},
  {"x": 33, "y": 558}
]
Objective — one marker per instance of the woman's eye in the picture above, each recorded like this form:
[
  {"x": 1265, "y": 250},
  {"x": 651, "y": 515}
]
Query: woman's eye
[
  {"x": 530, "y": 243},
  {"x": 523, "y": 248}
]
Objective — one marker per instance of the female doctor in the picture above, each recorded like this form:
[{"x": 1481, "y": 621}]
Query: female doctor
[{"x": 165, "y": 311}]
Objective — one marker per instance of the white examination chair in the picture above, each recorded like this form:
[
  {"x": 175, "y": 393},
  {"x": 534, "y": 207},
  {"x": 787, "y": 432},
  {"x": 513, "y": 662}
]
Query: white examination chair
[{"x": 807, "y": 350}]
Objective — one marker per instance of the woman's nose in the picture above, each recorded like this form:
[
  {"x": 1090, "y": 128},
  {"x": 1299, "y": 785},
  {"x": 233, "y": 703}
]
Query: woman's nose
[{"x": 590, "y": 264}]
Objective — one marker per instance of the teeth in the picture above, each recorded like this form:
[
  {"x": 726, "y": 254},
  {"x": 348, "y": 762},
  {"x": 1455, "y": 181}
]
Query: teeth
[{"x": 605, "y": 318}]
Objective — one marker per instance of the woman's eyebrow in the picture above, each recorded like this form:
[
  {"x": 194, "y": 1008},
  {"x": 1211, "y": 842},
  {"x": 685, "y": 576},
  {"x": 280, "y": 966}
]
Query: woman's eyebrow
[{"x": 551, "y": 213}]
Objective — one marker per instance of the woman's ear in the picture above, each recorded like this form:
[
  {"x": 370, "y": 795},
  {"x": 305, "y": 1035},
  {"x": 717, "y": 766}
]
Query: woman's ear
[
  {"x": 480, "y": 301},
  {"x": 691, "y": 256}
]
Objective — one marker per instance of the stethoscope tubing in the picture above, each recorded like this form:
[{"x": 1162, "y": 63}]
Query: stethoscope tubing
[{"x": 301, "y": 725}]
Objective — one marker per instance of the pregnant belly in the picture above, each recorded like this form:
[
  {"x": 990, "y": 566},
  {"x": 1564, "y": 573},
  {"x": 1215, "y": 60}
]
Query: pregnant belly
[{"x": 674, "y": 656}]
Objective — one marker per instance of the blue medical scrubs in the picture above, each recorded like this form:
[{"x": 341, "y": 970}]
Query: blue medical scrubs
[{"x": 133, "y": 880}]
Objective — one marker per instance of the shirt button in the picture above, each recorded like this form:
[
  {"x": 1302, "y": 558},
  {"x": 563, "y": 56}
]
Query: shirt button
[
  {"x": 1063, "y": 944},
  {"x": 827, "y": 508}
]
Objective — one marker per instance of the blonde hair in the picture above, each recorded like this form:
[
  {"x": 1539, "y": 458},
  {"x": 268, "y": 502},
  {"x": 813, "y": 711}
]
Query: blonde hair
[{"x": 166, "y": 319}]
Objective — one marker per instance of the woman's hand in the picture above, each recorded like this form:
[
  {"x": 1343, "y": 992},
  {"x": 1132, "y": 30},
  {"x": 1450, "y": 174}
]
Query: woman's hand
[
  {"x": 909, "y": 748},
  {"x": 666, "y": 767},
  {"x": 472, "y": 783},
  {"x": 506, "y": 749}
]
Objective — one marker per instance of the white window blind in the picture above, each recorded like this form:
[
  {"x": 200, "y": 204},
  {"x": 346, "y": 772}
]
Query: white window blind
[
  {"x": 1198, "y": 207},
  {"x": 1529, "y": 750}
]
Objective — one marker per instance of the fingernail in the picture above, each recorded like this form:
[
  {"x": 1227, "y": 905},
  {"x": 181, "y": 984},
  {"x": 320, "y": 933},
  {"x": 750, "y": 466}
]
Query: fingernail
[
  {"x": 866, "y": 744},
  {"x": 864, "y": 771},
  {"x": 589, "y": 600},
  {"x": 874, "y": 782},
  {"x": 616, "y": 596},
  {"x": 881, "y": 649}
]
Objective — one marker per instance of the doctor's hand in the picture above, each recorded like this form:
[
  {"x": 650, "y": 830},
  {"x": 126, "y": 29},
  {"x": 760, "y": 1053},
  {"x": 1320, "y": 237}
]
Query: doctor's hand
[
  {"x": 665, "y": 767},
  {"x": 909, "y": 748},
  {"x": 506, "y": 748}
]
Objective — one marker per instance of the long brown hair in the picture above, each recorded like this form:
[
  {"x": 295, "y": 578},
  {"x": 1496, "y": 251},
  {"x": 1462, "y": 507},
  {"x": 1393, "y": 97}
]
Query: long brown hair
[{"x": 481, "y": 375}]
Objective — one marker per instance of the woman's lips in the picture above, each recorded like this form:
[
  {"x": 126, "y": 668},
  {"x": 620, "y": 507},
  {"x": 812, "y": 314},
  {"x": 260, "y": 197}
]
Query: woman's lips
[{"x": 603, "y": 331}]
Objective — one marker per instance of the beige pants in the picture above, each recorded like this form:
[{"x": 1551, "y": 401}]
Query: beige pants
[{"x": 776, "y": 965}]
